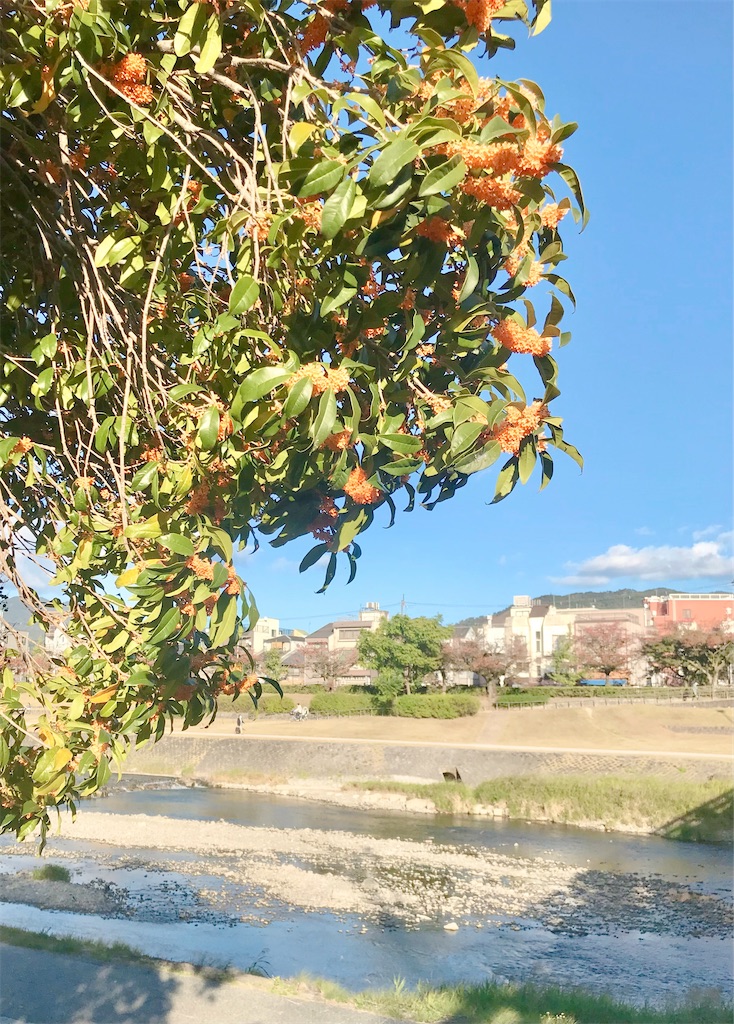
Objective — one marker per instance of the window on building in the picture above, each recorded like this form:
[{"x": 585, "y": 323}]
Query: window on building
[
  {"x": 538, "y": 643},
  {"x": 687, "y": 613},
  {"x": 349, "y": 634}
]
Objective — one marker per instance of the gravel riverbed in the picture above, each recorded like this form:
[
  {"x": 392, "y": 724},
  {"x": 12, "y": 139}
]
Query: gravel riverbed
[{"x": 163, "y": 868}]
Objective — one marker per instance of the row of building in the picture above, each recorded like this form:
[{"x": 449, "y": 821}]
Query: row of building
[{"x": 537, "y": 627}]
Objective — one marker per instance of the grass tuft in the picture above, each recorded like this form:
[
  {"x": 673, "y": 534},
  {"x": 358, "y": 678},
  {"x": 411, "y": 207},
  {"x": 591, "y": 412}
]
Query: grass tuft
[{"x": 51, "y": 873}]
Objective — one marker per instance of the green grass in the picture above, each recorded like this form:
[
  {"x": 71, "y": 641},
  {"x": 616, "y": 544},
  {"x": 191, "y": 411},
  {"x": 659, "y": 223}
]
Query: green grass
[
  {"x": 506, "y": 1004},
  {"x": 52, "y": 873},
  {"x": 674, "y": 808},
  {"x": 487, "y": 1003}
]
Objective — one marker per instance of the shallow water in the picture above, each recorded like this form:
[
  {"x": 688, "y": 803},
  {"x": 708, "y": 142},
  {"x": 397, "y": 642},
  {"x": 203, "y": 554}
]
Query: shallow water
[
  {"x": 240, "y": 927},
  {"x": 708, "y": 865}
]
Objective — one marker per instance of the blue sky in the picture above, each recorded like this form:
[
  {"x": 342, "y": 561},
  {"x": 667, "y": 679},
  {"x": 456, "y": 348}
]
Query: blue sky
[{"x": 647, "y": 378}]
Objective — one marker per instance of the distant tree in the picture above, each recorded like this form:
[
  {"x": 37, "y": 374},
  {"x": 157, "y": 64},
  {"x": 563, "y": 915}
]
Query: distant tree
[
  {"x": 413, "y": 647},
  {"x": 692, "y": 656},
  {"x": 491, "y": 662},
  {"x": 328, "y": 665},
  {"x": 565, "y": 663},
  {"x": 271, "y": 664},
  {"x": 605, "y": 648}
]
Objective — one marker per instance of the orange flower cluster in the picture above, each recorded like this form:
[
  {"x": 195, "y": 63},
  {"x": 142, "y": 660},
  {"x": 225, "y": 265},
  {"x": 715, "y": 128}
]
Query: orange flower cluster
[
  {"x": 551, "y": 216},
  {"x": 499, "y": 194},
  {"x": 372, "y": 332},
  {"x": 538, "y": 156},
  {"x": 185, "y": 281},
  {"x": 463, "y": 109},
  {"x": 479, "y": 13},
  {"x": 438, "y": 230},
  {"x": 359, "y": 489},
  {"x": 314, "y": 35},
  {"x": 232, "y": 585},
  {"x": 258, "y": 227},
  {"x": 437, "y": 403},
  {"x": 310, "y": 214},
  {"x": 329, "y": 507},
  {"x": 513, "y": 261},
  {"x": 226, "y": 426},
  {"x": 78, "y": 159},
  {"x": 518, "y": 424},
  {"x": 409, "y": 300},
  {"x": 84, "y": 482},
  {"x": 338, "y": 442},
  {"x": 498, "y": 157},
  {"x": 323, "y": 378},
  {"x": 129, "y": 77},
  {"x": 22, "y": 445},
  {"x": 202, "y": 568},
  {"x": 426, "y": 351},
  {"x": 518, "y": 338}
]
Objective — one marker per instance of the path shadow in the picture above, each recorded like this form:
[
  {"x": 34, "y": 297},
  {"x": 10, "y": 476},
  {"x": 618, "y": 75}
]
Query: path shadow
[
  {"x": 60, "y": 988},
  {"x": 711, "y": 822}
]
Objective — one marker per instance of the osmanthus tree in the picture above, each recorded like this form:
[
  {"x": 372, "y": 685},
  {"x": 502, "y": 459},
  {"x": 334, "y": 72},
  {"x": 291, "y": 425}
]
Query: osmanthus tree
[{"x": 264, "y": 270}]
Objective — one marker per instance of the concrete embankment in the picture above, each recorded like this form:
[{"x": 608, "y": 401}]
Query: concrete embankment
[{"x": 210, "y": 758}]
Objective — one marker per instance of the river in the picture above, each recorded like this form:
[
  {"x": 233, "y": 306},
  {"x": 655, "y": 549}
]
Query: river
[{"x": 643, "y": 918}]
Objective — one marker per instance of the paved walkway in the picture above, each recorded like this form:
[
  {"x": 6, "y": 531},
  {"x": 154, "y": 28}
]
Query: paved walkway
[{"x": 38, "y": 987}]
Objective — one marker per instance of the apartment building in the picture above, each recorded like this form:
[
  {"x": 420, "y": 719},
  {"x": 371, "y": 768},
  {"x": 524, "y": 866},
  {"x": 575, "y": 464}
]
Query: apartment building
[
  {"x": 692, "y": 611},
  {"x": 542, "y": 627}
]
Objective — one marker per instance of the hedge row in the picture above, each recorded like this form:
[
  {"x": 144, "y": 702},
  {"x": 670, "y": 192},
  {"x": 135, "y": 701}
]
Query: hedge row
[{"x": 434, "y": 705}]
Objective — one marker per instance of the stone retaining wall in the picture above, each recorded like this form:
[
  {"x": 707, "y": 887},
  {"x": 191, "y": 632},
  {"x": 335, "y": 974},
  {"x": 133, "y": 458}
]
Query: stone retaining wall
[{"x": 199, "y": 757}]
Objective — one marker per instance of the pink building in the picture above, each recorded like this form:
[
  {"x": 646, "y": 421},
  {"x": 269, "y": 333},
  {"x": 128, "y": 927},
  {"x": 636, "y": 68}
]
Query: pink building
[{"x": 696, "y": 611}]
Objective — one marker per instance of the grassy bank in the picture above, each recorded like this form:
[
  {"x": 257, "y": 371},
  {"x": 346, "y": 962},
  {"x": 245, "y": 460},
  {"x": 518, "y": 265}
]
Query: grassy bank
[
  {"x": 677, "y": 809},
  {"x": 472, "y": 1004},
  {"x": 491, "y": 1003}
]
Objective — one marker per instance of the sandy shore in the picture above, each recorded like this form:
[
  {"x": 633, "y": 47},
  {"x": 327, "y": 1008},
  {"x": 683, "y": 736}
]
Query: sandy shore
[{"x": 255, "y": 873}]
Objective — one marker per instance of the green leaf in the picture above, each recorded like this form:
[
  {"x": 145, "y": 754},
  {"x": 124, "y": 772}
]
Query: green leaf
[
  {"x": 190, "y": 28},
  {"x": 209, "y": 428},
  {"x": 546, "y": 463},
  {"x": 177, "y": 543},
  {"x": 323, "y": 424},
  {"x": 167, "y": 626},
  {"x": 454, "y": 59},
  {"x": 313, "y": 556},
  {"x": 224, "y": 620},
  {"x": 543, "y": 17},
  {"x": 369, "y": 105},
  {"x": 506, "y": 480},
  {"x": 526, "y": 460},
  {"x": 244, "y": 295},
  {"x": 477, "y": 461},
  {"x": 571, "y": 178},
  {"x": 392, "y": 159},
  {"x": 321, "y": 178},
  {"x": 211, "y": 48},
  {"x": 298, "y": 398},
  {"x": 330, "y": 574},
  {"x": 444, "y": 177},
  {"x": 403, "y": 444},
  {"x": 464, "y": 436},
  {"x": 352, "y": 524},
  {"x": 260, "y": 383},
  {"x": 337, "y": 208}
]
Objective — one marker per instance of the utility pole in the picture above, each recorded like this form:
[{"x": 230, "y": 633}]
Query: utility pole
[{"x": 402, "y": 605}]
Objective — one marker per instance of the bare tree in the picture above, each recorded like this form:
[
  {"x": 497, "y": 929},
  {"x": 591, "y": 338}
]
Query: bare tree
[
  {"x": 328, "y": 665},
  {"x": 490, "y": 661},
  {"x": 605, "y": 648}
]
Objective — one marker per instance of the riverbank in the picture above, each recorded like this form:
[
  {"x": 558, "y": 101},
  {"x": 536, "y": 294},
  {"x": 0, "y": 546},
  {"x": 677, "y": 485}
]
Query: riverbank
[
  {"x": 307, "y": 998},
  {"x": 674, "y": 809}
]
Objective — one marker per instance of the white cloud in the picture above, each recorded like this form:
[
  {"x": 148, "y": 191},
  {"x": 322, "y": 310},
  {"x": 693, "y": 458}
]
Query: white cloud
[
  {"x": 708, "y": 532},
  {"x": 644, "y": 531},
  {"x": 704, "y": 559}
]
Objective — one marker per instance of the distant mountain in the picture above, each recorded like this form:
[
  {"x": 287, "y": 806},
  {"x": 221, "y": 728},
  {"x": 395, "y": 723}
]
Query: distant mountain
[
  {"x": 604, "y": 598},
  {"x": 17, "y": 616},
  {"x": 588, "y": 599}
]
